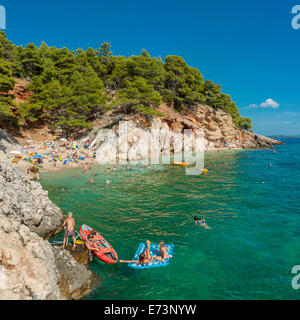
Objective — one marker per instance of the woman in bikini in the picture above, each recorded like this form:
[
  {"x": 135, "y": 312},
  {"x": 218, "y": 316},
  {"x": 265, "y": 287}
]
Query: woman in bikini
[
  {"x": 163, "y": 252},
  {"x": 144, "y": 257}
]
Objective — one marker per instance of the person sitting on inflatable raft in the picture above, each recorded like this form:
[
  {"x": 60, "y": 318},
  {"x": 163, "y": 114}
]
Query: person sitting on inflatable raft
[{"x": 145, "y": 257}]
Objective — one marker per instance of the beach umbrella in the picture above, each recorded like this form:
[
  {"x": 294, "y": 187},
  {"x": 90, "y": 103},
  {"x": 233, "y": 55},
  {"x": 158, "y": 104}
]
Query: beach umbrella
[
  {"x": 15, "y": 152},
  {"x": 63, "y": 140},
  {"x": 37, "y": 156},
  {"x": 93, "y": 143}
]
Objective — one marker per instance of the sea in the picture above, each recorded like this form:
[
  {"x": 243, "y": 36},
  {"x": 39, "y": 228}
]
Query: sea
[{"x": 250, "y": 199}]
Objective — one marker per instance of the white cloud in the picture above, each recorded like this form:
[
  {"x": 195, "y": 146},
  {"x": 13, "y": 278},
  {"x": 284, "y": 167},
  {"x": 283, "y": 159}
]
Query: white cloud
[{"x": 270, "y": 103}]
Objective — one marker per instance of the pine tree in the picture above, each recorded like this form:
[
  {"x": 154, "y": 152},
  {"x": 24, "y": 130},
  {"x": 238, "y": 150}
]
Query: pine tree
[{"x": 31, "y": 61}]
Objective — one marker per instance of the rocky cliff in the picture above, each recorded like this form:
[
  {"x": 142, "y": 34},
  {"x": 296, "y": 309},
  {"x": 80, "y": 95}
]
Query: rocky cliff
[
  {"x": 26, "y": 202},
  {"x": 29, "y": 267},
  {"x": 217, "y": 127}
]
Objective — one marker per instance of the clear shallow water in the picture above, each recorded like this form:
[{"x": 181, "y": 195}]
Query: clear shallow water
[{"x": 248, "y": 253}]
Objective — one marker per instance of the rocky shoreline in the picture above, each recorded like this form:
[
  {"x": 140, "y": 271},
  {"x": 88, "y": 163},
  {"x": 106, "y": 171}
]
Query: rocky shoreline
[{"x": 30, "y": 268}]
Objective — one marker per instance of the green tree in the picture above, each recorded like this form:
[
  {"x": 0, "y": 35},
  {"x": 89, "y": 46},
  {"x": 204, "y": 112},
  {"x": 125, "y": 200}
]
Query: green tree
[
  {"x": 245, "y": 123},
  {"x": 139, "y": 96},
  {"x": 7, "y": 82},
  {"x": 65, "y": 64},
  {"x": 6, "y": 100},
  {"x": 31, "y": 61},
  {"x": 104, "y": 50},
  {"x": 183, "y": 84}
]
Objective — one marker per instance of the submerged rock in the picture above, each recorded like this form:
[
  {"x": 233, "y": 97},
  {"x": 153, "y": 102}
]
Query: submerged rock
[{"x": 80, "y": 253}]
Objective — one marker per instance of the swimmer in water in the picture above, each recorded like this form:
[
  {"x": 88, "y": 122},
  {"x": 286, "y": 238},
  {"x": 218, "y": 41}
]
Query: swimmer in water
[
  {"x": 201, "y": 222},
  {"x": 107, "y": 183},
  {"x": 85, "y": 168},
  {"x": 92, "y": 180}
]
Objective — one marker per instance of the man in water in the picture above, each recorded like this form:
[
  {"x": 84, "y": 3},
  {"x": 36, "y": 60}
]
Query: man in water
[
  {"x": 201, "y": 222},
  {"x": 163, "y": 252},
  {"x": 70, "y": 231},
  {"x": 144, "y": 257},
  {"x": 90, "y": 244},
  {"x": 85, "y": 168}
]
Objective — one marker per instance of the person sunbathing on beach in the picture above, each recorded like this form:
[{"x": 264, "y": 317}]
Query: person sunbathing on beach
[
  {"x": 70, "y": 231},
  {"x": 144, "y": 258},
  {"x": 201, "y": 222},
  {"x": 163, "y": 252}
]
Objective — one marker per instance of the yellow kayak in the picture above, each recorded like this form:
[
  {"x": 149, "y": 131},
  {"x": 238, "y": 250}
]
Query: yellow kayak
[{"x": 178, "y": 163}]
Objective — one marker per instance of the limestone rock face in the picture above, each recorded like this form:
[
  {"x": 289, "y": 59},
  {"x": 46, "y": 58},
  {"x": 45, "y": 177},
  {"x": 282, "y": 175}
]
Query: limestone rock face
[
  {"x": 135, "y": 136},
  {"x": 26, "y": 202},
  {"x": 75, "y": 278},
  {"x": 27, "y": 268}
]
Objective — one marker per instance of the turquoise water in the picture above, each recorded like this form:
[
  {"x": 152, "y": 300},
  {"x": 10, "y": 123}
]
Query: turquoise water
[{"x": 248, "y": 253}]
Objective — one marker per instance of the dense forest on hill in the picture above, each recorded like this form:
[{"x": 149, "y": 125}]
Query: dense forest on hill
[{"x": 70, "y": 89}]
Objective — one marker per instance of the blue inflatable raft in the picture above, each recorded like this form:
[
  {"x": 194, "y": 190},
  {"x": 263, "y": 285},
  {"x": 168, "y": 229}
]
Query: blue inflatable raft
[{"x": 155, "y": 251}]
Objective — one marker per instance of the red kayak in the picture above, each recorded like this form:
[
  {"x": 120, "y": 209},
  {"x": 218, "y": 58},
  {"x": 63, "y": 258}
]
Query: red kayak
[{"x": 106, "y": 252}]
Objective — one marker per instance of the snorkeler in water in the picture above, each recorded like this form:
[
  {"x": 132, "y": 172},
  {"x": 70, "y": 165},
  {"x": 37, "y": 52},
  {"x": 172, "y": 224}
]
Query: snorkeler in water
[{"x": 201, "y": 222}]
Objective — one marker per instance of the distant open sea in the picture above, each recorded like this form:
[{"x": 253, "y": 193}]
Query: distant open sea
[{"x": 248, "y": 253}]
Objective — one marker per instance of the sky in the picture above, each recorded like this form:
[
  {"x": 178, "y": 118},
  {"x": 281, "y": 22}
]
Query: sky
[{"x": 249, "y": 47}]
